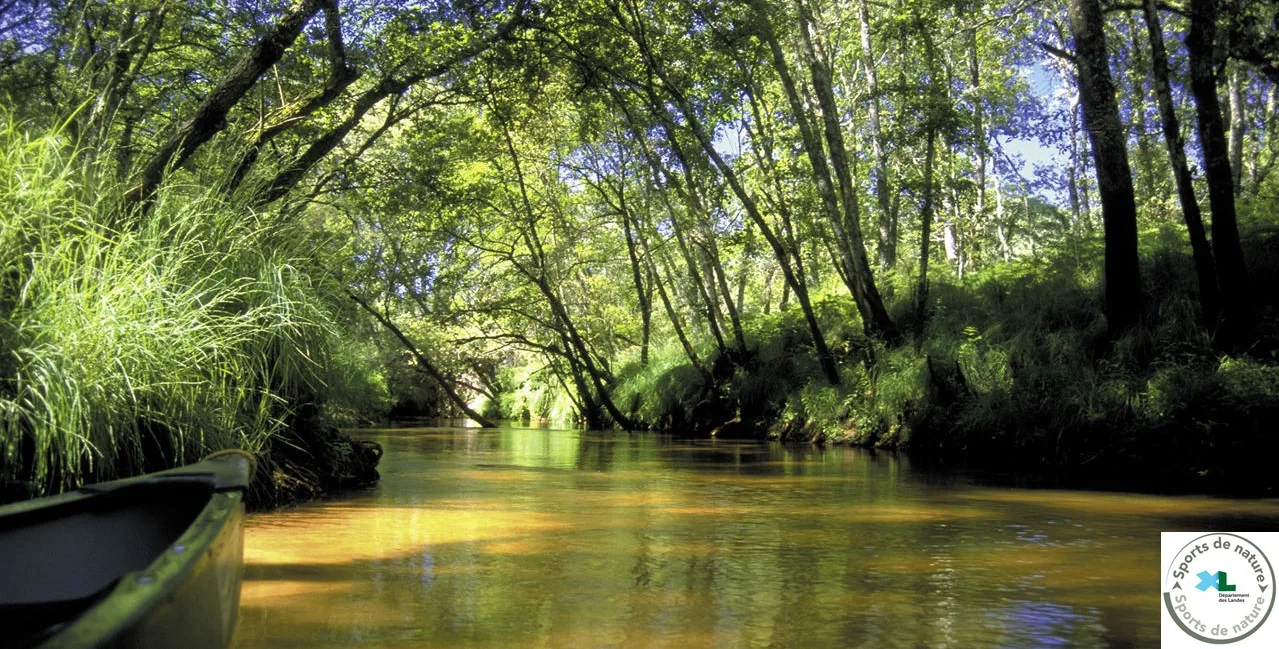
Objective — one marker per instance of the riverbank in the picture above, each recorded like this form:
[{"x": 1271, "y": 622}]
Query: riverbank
[
  {"x": 302, "y": 467},
  {"x": 1012, "y": 370}
]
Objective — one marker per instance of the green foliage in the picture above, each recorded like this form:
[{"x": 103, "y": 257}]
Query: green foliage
[
  {"x": 355, "y": 385},
  {"x": 514, "y": 195},
  {"x": 133, "y": 346},
  {"x": 538, "y": 395},
  {"x": 1014, "y": 363},
  {"x": 664, "y": 390}
]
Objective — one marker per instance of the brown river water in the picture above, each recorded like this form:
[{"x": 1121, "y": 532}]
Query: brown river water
[{"x": 551, "y": 538}]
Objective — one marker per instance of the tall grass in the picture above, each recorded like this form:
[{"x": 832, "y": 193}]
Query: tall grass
[{"x": 134, "y": 347}]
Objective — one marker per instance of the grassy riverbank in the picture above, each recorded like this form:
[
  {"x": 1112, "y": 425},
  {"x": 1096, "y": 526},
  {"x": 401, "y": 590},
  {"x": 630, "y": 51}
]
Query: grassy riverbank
[
  {"x": 132, "y": 343},
  {"x": 1013, "y": 368}
]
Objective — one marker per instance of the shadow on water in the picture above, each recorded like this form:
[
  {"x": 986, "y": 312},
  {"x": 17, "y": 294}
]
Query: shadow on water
[{"x": 518, "y": 537}]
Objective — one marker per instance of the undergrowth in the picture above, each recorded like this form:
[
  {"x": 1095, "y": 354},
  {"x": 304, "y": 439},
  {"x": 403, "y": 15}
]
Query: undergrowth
[{"x": 1012, "y": 365}]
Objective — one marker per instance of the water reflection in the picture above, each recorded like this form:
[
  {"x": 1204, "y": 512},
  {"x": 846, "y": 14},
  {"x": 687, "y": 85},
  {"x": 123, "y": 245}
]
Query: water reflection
[{"x": 535, "y": 538}]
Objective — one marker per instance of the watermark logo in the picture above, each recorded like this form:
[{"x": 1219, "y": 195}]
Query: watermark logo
[
  {"x": 1218, "y": 588},
  {"x": 1214, "y": 580}
]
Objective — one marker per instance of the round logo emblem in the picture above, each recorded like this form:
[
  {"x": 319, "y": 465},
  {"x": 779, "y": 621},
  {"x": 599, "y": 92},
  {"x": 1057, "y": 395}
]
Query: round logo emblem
[{"x": 1219, "y": 588}]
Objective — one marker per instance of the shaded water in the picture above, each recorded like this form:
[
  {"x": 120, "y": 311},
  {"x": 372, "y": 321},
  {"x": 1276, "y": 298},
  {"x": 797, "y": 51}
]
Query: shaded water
[{"x": 536, "y": 538}]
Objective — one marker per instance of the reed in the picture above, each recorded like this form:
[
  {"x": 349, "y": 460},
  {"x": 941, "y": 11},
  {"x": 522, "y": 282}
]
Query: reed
[{"x": 134, "y": 347}]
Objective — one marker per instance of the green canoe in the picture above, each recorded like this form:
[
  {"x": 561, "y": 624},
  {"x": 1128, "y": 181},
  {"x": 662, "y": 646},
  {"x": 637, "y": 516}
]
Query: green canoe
[{"x": 152, "y": 561}]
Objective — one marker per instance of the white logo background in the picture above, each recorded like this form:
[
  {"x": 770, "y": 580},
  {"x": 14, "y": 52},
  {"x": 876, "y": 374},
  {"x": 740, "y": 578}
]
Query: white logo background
[{"x": 1207, "y": 608}]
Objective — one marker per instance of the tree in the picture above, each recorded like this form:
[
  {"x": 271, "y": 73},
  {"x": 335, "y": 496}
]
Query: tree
[
  {"x": 1123, "y": 302},
  {"x": 1232, "y": 277},
  {"x": 875, "y": 318},
  {"x": 210, "y": 116},
  {"x": 846, "y": 222},
  {"x": 887, "y": 222},
  {"x": 1205, "y": 268}
]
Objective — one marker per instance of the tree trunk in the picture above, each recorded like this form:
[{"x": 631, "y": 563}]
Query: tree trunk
[
  {"x": 718, "y": 283},
  {"x": 701, "y": 291},
  {"x": 573, "y": 341},
  {"x": 876, "y": 320},
  {"x": 784, "y": 257},
  {"x": 979, "y": 126},
  {"x": 423, "y": 362},
  {"x": 1270, "y": 135},
  {"x": 1237, "y": 125},
  {"x": 643, "y": 293},
  {"x": 1085, "y": 191},
  {"x": 1144, "y": 185},
  {"x": 1232, "y": 276},
  {"x": 818, "y": 167},
  {"x": 292, "y": 174},
  {"x": 341, "y": 75},
  {"x": 286, "y": 120},
  {"x": 1201, "y": 252},
  {"x": 1261, "y": 139},
  {"x": 721, "y": 277},
  {"x": 748, "y": 250},
  {"x": 793, "y": 279},
  {"x": 887, "y": 228},
  {"x": 671, "y": 314},
  {"x": 1072, "y": 179},
  {"x": 1003, "y": 220},
  {"x": 1123, "y": 300},
  {"x": 925, "y": 236},
  {"x": 210, "y": 116}
]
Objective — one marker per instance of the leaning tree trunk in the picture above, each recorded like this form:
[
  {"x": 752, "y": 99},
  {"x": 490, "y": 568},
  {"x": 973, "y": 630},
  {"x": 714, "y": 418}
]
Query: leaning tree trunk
[
  {"x": 1205, "y": 268},
  {"x": 846, "y": 264},
  {"x": 210, "y": 116},
  {"x": 423, "y": 362},
  {"x": 794, "y": 280},
  {"x": 1110, "y": 157},
  {"x": 1231, "y": 273},
  {"x": 293, "y": 172}
]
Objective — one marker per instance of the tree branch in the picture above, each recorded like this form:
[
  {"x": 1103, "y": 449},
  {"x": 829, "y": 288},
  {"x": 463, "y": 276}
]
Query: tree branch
[{"x": 1057, "y": 52}]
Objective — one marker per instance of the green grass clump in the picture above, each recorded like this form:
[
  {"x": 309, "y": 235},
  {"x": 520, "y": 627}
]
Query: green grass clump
[{"x": 133, "y": 344}]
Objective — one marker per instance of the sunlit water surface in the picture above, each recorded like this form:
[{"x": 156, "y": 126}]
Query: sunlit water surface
[{"x": 537, "y": 538}]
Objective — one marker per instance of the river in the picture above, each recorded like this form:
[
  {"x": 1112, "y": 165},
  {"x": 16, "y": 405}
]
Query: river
[{"x": 549, "y": 538}]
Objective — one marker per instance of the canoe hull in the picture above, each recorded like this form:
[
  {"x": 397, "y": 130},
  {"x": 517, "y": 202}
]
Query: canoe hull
[
  {"x": 153, "y": 561},
  {"x": 200, "y": 609}
]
